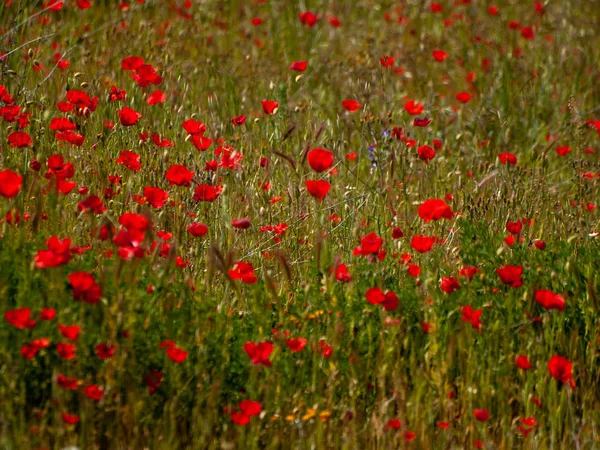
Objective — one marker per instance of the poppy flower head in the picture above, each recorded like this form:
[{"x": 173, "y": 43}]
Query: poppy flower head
[
  {"x": 421, "y": 243},
  {"x": 425, "y": 153},
  {"x": 507, "y": 158},
  {"x": 351, "y": 105},
  {"x": 10, "y": 183},
  {"x": 320, "y": 160},
  {"x": 342, "y": 273},
  {"x": 439, "y": 55},
  {"x": 449, "y": 285},
  {"x": 243, "y": 271},
  {"x": 259, "y": 352},
  {"x": 269, "y": 106},
  {"x": 549, "y": 300},
  {"x": 463, "y": 97},
  {"x": 435, "y": 209},
  {"x": 511, "y": 275},
  {"x": 481, "y": 415},
  {"x": 560, "y": 368},
  {"x": 299, "y": 66},
  {"x": 413, "y": 108},
  {"x": 179, "y": 175},
  {"x": 128, "y": 116},
  {"x": 522, "y": 362},
  {"x": 318, "y": 188},
  {"x": 296, "y": 344},
  {"x": 308, "y": 19}
]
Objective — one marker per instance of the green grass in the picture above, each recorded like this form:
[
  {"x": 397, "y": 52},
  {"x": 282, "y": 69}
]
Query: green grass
[{"x": 217, "y": 65}]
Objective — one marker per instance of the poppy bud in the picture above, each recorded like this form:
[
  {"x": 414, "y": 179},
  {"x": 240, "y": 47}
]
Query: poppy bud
[{"x": 30, "y": 53}]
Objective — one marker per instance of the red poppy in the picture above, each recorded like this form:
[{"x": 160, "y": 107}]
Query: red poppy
[
  {"x": 84, "y": 287},
  {"x": 177, "y": 355},
  {"x": 435, "y": 209},
  {"x": 369, "y": 244},
  {"x": 269, "y": 106},
  {"x": 66, "y": 350},
  {"x": 375, "y": 295},
  {"x": 527, "y": 33},
  {"x": 20, "y": 318},
  {"x": 560, "y": 368},
  {"x": 299, "y": 66},
  {"x": 481, "y": 415},
  {"x": 409, "y": 436},
  {"x": 318, "y": 188},
  {"x": 130, "y": 160},
  {"x": 207, "y": 193},
  {"x": 238, "y": 121},
  {"x": 243, "y": 271},
  {"x": 197, "y": 229},
  {"x": 92, "y": 203},
  {"x": 41, "y": 343},
  {"x": 563, "y": 150},
  {"x": 320, "y": 159},
  {"x": 386, "y": 61},
  {"x": 259, "y": 353},
  {"x": 413, "y": 270},
  {"x": 93, "y": 392},
  {"x": 104, "y": 350},
  {"x": 57, "y": 254},
  {"x": 413, "y": 108},
  {"x": 19, "y": 139},
  {"x": 250, "y": 407},
  {"x": 71, "y": 332},
  {"x": 463, "y": 97},
  {"x": 449, "y": 285},
  {"x": 29, "y": 351},
  {"x": 549, "y": 300},
  {"x": 390, "y": 301},
  {"x": 155, "y": 197},
  {"x": 351, "y": 105},
  {"x": 128, "y": 116},
  {"x": 131, "y": 63},
  {"x": 308, "y": 18},
  {"x": 48, "y": 314},
  {"x": 468, "y": 272},
  {"x": 194, "y": 127},
  {"x": 514, "y": 227},
  {"x": 10, "y": 183},
  {"x": 425, "y": 153},
  {"x": 471, "y": 316},
  {"x": 511, "y": 275},
  {"x": 241, "y": 223},
  {"x": 342, "y": 273},
  {"x": 439, "y": 55},
  {"x": 393, "y": 424},
  {"x": 296, "y": 344},
  {"x": 156, "y": 97},
  {"x": 240, "y": 418},
  {"x": 507, "y": 158},
  {"x": 421, "y": 243},
  {"x": 66, "y": 382},
  {"x": 179, "y": 175},
  {"x": 522, "y": 362},
  {"x": 70, "y": 419}
]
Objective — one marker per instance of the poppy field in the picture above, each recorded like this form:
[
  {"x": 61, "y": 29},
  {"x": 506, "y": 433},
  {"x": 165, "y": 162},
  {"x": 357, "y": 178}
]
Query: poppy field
[{"x": 266, "y": 224}]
